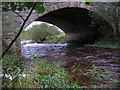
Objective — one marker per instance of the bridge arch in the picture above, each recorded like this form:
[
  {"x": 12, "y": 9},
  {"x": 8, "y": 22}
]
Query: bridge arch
[
  {"x": 52, "y": 6},
  {"x": 75, "y": 22},
  {"x": 72, "y": 17}
]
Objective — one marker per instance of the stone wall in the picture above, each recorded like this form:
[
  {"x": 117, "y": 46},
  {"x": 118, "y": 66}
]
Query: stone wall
[
  {"x": 10, "y": 25},
  {"x": 0, "y": 32},
  {"x": 110, "y": 11}
]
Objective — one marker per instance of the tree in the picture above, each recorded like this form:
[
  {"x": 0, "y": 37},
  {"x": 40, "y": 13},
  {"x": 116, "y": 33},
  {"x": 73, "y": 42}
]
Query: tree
[
  {"x": 13, "y": 6},
  {"x": 42, "y": 32}
]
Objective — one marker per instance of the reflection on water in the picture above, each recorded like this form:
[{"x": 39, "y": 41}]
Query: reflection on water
[{"x": 75, "y": 55}]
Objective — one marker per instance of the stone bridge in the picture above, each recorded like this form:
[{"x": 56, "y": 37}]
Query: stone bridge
[{"x": 72, "y": 17}]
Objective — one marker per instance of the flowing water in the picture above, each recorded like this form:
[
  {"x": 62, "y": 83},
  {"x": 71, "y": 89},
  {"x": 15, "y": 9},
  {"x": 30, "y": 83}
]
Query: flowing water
[{"x": 76, "y": 58}]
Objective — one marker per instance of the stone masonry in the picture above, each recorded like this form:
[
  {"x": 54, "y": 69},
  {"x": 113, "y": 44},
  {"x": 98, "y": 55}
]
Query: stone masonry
[{"x": 49, "y": 7}]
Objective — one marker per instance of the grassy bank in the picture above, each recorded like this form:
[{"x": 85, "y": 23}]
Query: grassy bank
[
  {"x": 113, "y": 42},
  {"x": 42, "y": 75},
  {"x": 52, "y": 75},
  {"x": 56, "y": 39}
]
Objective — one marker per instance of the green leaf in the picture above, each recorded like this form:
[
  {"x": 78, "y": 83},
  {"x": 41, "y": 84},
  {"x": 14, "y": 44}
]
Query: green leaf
[
  {"x": 13, "y": 8},
  {"x": 39, "y": 8},
  {"x": 20, "y": 9},
  {"x": 23, "y": 5},
  {"x": 86, "y": 3},
  {"x": 89, "y": 3},
  {"x": 29, "y": 4}
]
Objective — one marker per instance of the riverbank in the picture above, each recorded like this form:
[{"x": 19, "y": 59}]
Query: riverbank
[
  {"x": 108, "y": 43},
  {"x": 113, "y": 42},
  {"x": 73, "y": 74},
  {"x": 76, "y": 58},
  {"x": 41, "y": 75}
]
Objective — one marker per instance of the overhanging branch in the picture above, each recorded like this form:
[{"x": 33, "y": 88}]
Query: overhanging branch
[
  {"x": 16, "y": 13},
  {"x": 19, "y": 15},
  {"x": 19, "y": 31}
]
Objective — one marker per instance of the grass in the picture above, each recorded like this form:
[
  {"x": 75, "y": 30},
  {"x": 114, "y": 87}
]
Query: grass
[
  {"x": 52, "y": 75},
  {"x": 43, "y": 75},
  {"x": 93, "y": 77},
  {"x": 56, "y": 39},
  {"x": 109, "y": 43}
]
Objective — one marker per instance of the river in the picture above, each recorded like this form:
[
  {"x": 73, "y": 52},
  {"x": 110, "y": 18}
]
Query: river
[{"x": 77, "y": 56}]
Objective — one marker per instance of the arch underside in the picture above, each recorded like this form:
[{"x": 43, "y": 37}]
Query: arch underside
[{"x": 75, "y": 22}]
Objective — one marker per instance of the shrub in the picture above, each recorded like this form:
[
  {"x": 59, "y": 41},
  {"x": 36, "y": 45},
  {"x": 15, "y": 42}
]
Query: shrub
[
  {"x": 57, "y": 39},
  {"x": 42, "y": 32},
  {"x": 25, "y": 35}
]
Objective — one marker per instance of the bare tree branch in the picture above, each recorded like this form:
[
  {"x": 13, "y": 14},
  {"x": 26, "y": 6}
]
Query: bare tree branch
[
  {"x": 19, "y": 31},
  {"x": 19, "y": 15},
  {"x": 16, "y": 13}
]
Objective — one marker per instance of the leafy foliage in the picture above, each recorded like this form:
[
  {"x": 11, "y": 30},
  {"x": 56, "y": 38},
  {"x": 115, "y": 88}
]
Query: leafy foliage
[
  {"x": 22, "y": 6},
  {"x": 89, "y": 3},
  {"x": 61, "y": 38},
  {"x": 43, "y": 75},
  {"x": 92, "y": 76},
  {"x": 42, "y": 32}
]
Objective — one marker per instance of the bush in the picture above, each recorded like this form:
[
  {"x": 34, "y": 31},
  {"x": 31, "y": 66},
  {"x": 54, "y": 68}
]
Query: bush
[
  {"x": 42, "y": 32},
  {"x": 25, "y": 35},
  {"x": 57, "y": 39}
]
